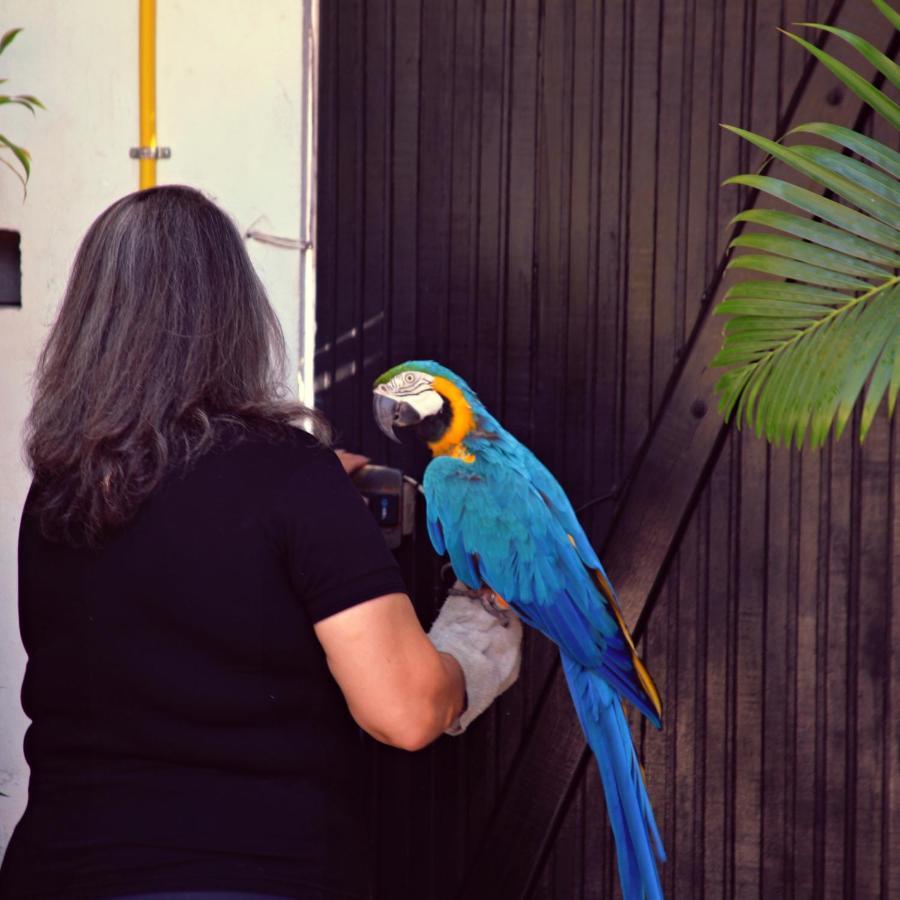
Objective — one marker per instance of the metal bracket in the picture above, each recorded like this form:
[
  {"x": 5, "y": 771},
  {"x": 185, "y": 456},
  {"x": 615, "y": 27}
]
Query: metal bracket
[
  {"x": 150, "y": 152},
  {"x": 278, "y": 241}
]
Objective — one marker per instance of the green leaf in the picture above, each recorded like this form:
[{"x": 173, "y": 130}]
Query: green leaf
[
  {"x": 20, "y": 153},
  {"x": 764, "y": 326},
  {"x": 888, "y": 13},
  {"x": 866, "y": 92},
  {"x": 777, "y": 290},
  {"x": 871, "y": 179},
  {"x": 803, "y": 251},
  {"x": 790, "y": 381},
  {"x": 829, "y": 210},
  {"x": 775, "y": 309},
  {"x": 868, "y": 148},
  {"x": 886, "y": 66},
  {"x": 863, "y": 344},
  {"x": 788, "y": 268},
  {"x": 8, "y": 38},
  {"x": 819, "y": 233},
  {"x": 878, "y": 384},
  {"x": 27, "y": 102},
  {"x": 30, "y": 98},
  {"x": 854, "y": 193}
]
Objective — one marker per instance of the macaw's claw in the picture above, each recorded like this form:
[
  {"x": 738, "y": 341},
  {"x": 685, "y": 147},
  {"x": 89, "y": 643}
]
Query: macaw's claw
[{"x": 491, "y": 601}]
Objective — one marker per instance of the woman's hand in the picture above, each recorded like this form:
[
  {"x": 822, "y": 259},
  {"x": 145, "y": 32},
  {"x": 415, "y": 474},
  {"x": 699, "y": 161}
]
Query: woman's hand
[{"x": 351, "y": 461}]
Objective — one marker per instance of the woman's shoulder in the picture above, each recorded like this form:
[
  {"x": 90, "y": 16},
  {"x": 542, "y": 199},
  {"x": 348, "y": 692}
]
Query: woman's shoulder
[{"x": 273, "y": 444}]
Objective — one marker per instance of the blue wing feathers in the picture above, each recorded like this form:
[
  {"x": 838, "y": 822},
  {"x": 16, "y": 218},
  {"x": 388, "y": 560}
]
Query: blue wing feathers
[
  {"x": 435, "y": 532},
  {"x": 520, "y": 536}
]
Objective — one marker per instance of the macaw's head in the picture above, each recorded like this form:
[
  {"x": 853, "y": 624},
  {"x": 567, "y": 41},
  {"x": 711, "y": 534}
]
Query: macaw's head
[{"x": 439, "y": 405}]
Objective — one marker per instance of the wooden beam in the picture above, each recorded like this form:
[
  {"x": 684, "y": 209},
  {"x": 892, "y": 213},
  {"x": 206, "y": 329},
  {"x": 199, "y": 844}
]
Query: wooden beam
[{"x": 674, "y": 465}]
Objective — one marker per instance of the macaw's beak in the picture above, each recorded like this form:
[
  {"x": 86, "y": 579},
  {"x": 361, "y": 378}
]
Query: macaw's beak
[{"x": 390, "y": 412}]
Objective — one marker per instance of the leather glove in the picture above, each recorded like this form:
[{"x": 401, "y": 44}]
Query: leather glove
[{"x": 487, "y": 646}]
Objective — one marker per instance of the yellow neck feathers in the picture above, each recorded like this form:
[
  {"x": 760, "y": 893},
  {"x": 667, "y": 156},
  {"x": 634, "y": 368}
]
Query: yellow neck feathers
[{"x": 461, "y": 422}]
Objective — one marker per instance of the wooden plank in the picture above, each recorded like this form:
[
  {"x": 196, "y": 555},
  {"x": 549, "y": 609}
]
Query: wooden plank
[
  {"x": 778, "y": 708},
  {"x": 492, "y": 161},
  {"x": 566, "y": 862},
  {"x": 805, "y": 703},
  {"x": 376, "y": 218},
  {"x": 707, "y": 55},
  {"x": 685, "y": 875},
  {"x": 606, "y": 403},
  {"x": 838, "y": 701},
  {"x": 349, "y": 208},
  {"x": 670, "y": 198},
  {"x": 717, "y": 751},
  {"x": 872, "y": 659},
  {"x": 642, "y": 96},
  {"x": 434, "y": 178},
  {"x": 326, "y": 202},
  {"x": 579, "y": 350},
  {"x": 404, "y": 174},
  {"x": 890, "y": 867},
  {"x": 753, "y": 623},
  {"x": 684, "y": 444},
  {"x": 462, "y": 249},
  {"x": 889, "y": 782},
  {"x": 520, "y": 288}
]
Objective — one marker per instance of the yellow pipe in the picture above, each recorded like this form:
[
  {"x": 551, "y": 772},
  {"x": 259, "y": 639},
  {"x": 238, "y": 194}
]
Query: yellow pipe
[{"x": 147, "y": 76}]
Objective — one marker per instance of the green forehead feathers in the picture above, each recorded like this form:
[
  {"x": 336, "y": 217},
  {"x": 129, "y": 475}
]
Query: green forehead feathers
[{"x": 387, "y": 376}]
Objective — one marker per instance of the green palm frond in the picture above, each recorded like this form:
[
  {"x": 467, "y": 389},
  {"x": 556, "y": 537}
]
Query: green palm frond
[{"x": 801, "y": 350}]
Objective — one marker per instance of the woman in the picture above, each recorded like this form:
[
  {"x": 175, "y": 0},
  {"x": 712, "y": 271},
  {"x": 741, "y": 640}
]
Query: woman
[{"x": 206, "y": 604}]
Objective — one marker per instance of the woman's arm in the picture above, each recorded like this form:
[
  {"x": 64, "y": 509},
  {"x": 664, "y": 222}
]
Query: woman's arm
[{"x": 398, "y": 687}]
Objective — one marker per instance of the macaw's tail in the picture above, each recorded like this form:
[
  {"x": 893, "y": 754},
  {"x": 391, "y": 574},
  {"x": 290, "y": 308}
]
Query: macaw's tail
[{"x": 630, "y": 814}]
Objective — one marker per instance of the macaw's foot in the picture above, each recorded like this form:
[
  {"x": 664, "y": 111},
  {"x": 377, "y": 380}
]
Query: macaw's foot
[
  {"x": 489, "y": 599},
  {"x": 492, "y": 602}
]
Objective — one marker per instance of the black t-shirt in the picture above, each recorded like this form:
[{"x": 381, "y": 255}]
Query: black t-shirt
[{"x": 186, "y": 732}]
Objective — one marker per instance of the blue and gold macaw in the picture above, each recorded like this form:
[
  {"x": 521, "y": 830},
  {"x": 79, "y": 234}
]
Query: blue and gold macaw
[{"x": 507, "y": 525}]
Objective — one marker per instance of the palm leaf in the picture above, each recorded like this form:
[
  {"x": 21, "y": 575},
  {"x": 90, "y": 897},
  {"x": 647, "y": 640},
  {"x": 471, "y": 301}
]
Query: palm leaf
[
  {"x": 888, "y": 13},
  {"x": 868, "y": 93},
  {"x": 868, "y": 148},
  {"x": 805, "y": 342},
  {"x": 886, "y": 66}
]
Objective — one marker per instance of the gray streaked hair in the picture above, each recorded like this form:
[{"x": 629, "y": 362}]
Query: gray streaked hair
[{"x": 164, "y": 343}]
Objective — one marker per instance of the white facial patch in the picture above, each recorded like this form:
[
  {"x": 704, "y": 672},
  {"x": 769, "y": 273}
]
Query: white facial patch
[{"x": 415, "y": 389}]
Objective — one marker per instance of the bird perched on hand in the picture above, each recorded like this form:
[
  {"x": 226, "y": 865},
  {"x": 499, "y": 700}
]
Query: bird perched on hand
[{"x": 508, "y": 526}]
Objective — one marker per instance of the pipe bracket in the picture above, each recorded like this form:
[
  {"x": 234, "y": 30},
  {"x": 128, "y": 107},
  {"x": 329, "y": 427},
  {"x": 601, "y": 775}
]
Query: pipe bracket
[{"x": 150, "y": 152}]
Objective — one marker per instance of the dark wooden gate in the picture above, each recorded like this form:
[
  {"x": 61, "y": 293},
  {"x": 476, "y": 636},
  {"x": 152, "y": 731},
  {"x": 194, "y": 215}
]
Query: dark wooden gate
[{"x": 528, "y": 191}]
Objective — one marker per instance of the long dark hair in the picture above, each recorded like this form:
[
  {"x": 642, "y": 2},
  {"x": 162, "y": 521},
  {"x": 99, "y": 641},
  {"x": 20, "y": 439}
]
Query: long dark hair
[{"x": 165, "y": 341}]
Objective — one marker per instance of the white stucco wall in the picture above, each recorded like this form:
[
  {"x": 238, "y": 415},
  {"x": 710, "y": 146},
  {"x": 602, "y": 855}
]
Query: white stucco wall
[{"x": 228, "y": 92}]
